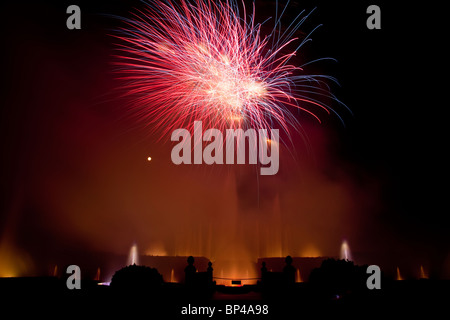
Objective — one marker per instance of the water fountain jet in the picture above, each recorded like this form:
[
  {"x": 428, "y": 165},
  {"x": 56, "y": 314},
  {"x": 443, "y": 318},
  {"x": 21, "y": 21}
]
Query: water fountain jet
[
  {"x": 399, "y": 276},
  {"x": 97, "y": 275},
  {"x": 345, "y": 251},
  {"x": 423, "y": 275},
  {"x": 298, "y": 277},
  {"x": 133, "y": 257}
]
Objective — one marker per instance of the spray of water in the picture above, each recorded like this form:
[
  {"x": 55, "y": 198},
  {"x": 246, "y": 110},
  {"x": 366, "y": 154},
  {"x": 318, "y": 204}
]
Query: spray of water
[
  {"x": 133, "y": 257},
  {"x": 399, "y": 276},
  {"x": 345, "y": 251},
  {"x": 423, "y": 275}
]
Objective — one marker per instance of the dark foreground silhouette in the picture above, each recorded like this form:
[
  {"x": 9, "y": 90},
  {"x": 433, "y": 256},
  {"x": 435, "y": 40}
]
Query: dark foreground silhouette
[
  {"x": 336, "y": 287},
  {"x": 135, "y": 278}
]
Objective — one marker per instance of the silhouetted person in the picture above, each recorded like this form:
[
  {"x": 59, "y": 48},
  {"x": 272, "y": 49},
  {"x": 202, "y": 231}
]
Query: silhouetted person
[
  {"x": 263, "y": 270},
  {"x": 189, "y": 271},
  {"x": 289, "y": 271},
  {"x": 209, "y": 271}
]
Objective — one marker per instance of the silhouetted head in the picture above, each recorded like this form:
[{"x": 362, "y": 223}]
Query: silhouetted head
[
  {"x": 190, "y": 260},
  {"x": 209, "y": 264},
  {"x": 288, "y": 260},
  {"x": 263, "y": 264}
]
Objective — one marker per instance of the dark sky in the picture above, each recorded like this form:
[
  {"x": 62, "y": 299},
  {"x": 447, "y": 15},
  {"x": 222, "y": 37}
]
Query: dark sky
[{"x": 75, "y": 176}]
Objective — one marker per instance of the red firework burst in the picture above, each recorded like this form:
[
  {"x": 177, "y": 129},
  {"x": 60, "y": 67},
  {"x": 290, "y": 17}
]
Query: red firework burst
[{"x": 201, "y": 60}]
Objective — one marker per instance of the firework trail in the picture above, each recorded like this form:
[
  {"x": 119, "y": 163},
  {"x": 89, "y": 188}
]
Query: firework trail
[{"x": 203, "y": 60}]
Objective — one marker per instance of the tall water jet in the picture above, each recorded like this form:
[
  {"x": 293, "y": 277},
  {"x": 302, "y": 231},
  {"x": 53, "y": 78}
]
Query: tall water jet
[
  {"x": 55, "y": 270},
  {"x": 423, "y": 275},
  {"x": 345, "y": 251},
  {"x": 133, "y": 257},
  {"x": 97, "y": 275},
  {"x": 172, "y": 275},
  {"x": 298, "y": 277},
  {"x": 399, "y": 276}
]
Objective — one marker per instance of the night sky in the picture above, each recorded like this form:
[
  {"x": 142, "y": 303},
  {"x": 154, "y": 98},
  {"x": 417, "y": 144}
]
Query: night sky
[{"x": 76, "y": 180}]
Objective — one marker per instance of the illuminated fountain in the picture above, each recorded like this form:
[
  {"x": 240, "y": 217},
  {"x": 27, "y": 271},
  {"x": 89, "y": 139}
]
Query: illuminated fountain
[
  {"x": 97, "y": 275},
  {"x": 423, "y": 275},
  {"x": 298, "y": 277},
  {"x": 237, "y": 237},
  {"x": 345, "y": 251},
  {"x": 399, "y": 276},
  {"x": 133, "y": 257},
  {"x": 13, "y": 261},
  {"x": 55, "y": 271}
]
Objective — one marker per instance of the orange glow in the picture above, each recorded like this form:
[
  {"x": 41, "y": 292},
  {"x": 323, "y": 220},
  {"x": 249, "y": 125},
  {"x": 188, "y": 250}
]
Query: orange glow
[
  {"x": 97, "y": 275},
  {"x": 298, "y": 277},
  {"x": 423, "y": 275},
  {"x": 13, "y": 263},
  {"x": 157, "y": 249},
  {"x": 55, "y": 271},
  {"x": 172, "y": 276},
  {"x": 236, "y": 272},
  {"x": 310, "y": 251},
  {"x": 399, "y": 276},
  {"x": 214, "y": 226},
  {"x": 7, "y": 273},
  {"x": 237, "y": 285}
]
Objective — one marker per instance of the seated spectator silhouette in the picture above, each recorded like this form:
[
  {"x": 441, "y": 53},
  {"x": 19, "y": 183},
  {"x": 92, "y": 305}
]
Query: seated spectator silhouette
[
  {"x": 289, "y": 271},
  {"x": 209, "y": 271},
  {"x": 263, "y": 270},
  {"x": 189, "y": 271}
]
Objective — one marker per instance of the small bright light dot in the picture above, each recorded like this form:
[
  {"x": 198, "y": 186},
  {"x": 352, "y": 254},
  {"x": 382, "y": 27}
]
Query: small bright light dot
[{"x": 149, "y": 158}]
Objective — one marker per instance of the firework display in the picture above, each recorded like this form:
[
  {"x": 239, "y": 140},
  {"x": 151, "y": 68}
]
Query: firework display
[
  {"x": 209, "y": 61},
  {"x": 224, "y": 159}
]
